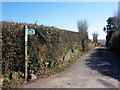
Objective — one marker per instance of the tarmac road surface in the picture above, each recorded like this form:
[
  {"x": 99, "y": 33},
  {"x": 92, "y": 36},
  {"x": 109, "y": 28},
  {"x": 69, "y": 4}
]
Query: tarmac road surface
[{"x": 98, "y": 68}]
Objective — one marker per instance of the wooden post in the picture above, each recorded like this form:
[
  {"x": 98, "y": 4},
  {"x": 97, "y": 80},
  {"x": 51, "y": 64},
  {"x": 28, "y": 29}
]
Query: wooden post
[{"x": 26, "y": 56}]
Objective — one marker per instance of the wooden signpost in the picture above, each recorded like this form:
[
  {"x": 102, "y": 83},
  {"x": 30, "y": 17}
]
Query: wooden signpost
[{"x": 27, "y": 32}]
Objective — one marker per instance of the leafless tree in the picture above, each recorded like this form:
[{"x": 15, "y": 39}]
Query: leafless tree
[
  {"x": 83, "y": 30},
  {"x": 95, "y": 36},
  {"x": 119, "y": 9}
]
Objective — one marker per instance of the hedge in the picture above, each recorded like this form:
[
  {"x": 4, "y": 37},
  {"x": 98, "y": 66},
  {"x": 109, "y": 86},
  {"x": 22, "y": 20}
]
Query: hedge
[
  {"x": 115, "y": 41},
  {"x": 49, "y": 49}
]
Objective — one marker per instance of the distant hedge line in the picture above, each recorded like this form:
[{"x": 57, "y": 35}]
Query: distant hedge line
[{"x": 48, "y": 49}]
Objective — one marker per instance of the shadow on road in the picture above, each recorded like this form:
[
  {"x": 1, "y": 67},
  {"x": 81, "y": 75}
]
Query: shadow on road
[{"x": 105, "y": 62}]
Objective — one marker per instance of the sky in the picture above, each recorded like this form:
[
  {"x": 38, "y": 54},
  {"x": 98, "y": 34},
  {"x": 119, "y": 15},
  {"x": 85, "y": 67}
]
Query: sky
[{"x": 63, "y": 15}]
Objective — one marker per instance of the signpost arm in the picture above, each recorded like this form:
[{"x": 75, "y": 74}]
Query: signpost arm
[{"x": 26, "y": 57}]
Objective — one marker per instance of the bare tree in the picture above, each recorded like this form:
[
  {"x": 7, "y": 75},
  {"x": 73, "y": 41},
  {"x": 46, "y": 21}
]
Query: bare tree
[
  {"x": 95, "y": 36},
  {"x": 119, "y": 9},
  {"x": 82, "y": 28}
]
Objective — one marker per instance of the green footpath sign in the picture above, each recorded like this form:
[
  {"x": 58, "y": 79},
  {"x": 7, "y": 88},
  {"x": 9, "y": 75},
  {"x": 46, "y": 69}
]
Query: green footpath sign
[{"x": 31, "y": 31}]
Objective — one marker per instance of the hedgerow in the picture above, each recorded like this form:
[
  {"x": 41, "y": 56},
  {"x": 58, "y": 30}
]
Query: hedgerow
[{"x": 49, "y": 49}]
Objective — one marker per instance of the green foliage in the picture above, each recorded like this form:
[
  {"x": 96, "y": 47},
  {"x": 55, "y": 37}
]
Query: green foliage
[
  {"x": 113, "y": 33},
  {"x": 113, "y": 25},
  {"x": 13, "y": 49},
  {"x": 49, "y": 49},
  {"x": 115, "y": 41},
  {"x": 7, "y": 83}
]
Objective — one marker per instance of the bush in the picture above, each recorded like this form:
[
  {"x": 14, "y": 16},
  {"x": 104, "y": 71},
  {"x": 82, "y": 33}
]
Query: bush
[{"x": 115, "y": 41}]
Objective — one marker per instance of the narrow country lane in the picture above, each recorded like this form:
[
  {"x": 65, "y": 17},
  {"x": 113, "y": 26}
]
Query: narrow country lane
[{"x": 98, "y": 68}]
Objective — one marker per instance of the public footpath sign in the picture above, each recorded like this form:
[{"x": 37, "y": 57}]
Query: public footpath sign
[
  {"x": 27, "y": 32},
  {"x": 31, "y": 31}
]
